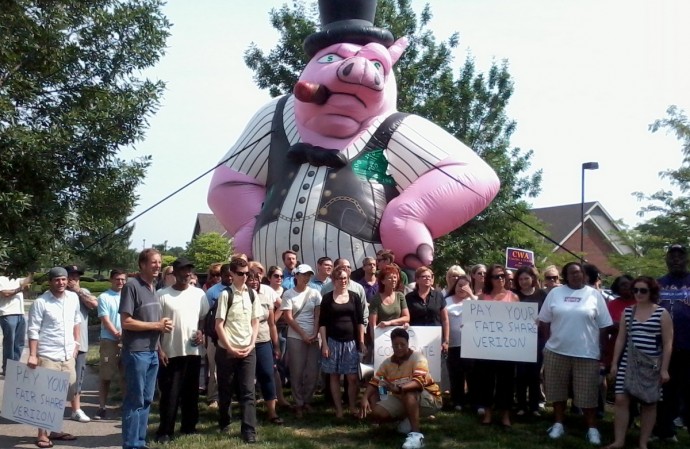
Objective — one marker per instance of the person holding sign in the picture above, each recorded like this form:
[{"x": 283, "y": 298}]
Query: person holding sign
[
  {"x": 576, "y": 316},
  {"x": 53, "y": 332},
  {"x": 496, "y": 377},
  {"x": 410, "y": 391}
]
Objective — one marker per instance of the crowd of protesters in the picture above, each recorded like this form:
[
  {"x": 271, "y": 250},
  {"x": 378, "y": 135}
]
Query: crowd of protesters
[{"x": 310, "y": 329}]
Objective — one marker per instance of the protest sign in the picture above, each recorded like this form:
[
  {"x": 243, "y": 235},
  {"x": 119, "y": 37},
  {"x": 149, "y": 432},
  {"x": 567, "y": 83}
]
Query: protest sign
[
  {"x": 34, "y": 396},
  {"x": 516, "y": 258},
  {"x": 425, "y": 339},
  {"x": 495, "y": 330}
]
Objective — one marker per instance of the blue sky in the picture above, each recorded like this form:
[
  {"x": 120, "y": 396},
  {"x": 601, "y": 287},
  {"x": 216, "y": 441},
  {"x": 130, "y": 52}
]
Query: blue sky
[{"x": 590, "y": 76}]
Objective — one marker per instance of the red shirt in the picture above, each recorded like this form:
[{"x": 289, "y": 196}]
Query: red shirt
[{"x": 616, "y": 308}]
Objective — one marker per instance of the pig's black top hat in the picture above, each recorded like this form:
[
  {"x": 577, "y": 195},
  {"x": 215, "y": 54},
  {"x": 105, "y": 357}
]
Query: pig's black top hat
[{"x": 350, "y": 21}]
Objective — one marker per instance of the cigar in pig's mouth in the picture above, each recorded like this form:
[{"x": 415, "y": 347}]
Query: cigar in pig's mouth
[{"x": 311, "y": 92}]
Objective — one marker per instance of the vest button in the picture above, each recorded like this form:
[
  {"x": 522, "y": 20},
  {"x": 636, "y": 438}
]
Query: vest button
[
  {"x": 306, "y": 186},
  {"x": 311, "y": 173},
  {"x": 295, "y": 247},
  {"x": 295, "y": 230},
  {"x": 302, "y": 200},
  {"x": 299, "y": 215}
]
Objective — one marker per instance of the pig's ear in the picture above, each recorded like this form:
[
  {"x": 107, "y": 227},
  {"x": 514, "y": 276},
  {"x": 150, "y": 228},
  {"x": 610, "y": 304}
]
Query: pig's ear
[{"x": 397, "y": 49}]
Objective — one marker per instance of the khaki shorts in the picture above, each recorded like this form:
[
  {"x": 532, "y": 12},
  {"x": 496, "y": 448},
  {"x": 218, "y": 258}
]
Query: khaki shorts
[
  {"x": 428, "y": 405},
  {"x": 559, "y": 369},
  {"x": 110, "y": 364},
  {"x": 63, "y": 367}
]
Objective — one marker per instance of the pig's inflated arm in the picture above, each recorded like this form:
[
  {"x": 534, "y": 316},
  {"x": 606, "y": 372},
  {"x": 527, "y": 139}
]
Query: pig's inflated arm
[{"x": 235, "y": 199}]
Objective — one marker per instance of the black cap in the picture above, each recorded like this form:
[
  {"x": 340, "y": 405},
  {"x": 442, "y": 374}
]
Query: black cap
[
  {"x": 350, "y": 21},
  {"x": 182, "y": 262},
  {"x": 677, "y": 247},
  {"x": 74, "y": 269}
]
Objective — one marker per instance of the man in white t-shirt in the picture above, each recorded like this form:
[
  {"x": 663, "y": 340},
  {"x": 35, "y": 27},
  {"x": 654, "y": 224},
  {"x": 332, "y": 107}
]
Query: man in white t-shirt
[
  {"x": 179, "y": 352},
  {"x": 12, "y": 317}
]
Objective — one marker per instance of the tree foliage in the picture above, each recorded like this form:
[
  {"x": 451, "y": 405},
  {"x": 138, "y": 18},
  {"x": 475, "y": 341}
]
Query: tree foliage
[
  {"x": 670, "y": 221},
  {"x": 468, "y": 104},
  {"x": 208, "y": 248},
  {"x": 71, "y": 97}
]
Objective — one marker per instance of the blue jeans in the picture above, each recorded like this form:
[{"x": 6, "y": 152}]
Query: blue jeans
[
  {"x": 13, "y": 333},
  {"x": 140, "y": 370},
  {"x": 264, "y": 370}
]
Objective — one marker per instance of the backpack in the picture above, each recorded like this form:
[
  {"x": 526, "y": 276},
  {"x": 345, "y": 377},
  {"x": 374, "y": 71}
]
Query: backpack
[{"x": 210, "y": 319}]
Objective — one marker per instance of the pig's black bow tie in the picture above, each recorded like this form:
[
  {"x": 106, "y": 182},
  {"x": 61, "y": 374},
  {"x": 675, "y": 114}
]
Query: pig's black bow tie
[{"x": 316, "y": 156}]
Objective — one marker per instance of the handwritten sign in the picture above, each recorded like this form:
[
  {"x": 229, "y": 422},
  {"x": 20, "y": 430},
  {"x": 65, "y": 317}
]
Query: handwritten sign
[
  {"x": 34, "y": 396},
  {"x": 425, "y": 339},
  {"x": 494, "y": 330},
  {"x": 516, "y": 258}
]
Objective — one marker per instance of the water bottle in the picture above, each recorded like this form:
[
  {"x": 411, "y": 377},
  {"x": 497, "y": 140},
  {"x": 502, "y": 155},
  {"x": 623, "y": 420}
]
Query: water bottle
[
  {"x": 383, "y": 391},
  {"x": 192, "y": 337}
]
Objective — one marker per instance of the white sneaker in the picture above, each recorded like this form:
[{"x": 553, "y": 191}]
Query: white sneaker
[
  {"x": 415, "y": 440},
  {"x": 404, "y": 426},
  {"x": 80, "y": 416},
  {"x": 593, "y": 436},
  {"x": 678, "y": 422},
  {"x": 556, "y": 431},
  {"x": 673, "y": 439},
  {"x": 481, "y": 411}
]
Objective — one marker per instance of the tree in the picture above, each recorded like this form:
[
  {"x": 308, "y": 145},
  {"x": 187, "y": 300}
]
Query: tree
[
  {"x": 70, "y": 98},
  {"x": 471, "y": 106},
  {"x": 208, "y": 248},
  {"x": 671, "y": 221}
]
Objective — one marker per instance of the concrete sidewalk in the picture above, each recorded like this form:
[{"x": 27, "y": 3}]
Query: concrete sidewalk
[{"x": 95, "y": 434}]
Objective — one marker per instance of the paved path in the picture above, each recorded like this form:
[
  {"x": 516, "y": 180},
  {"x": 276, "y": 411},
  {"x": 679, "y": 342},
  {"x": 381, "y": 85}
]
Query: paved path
[{"x": 104, "y": 434}]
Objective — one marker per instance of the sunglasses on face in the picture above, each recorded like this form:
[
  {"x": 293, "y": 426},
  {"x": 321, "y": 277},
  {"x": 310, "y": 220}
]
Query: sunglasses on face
[
  {"x": 481, "y": 273},
  {"x": 641, "y": 291},
  {"x": 241, "y": 273},
  {"x": 496, "y": 277},
  {"x": 277, "y": 276},
  {"x": 551, "y": 278}
]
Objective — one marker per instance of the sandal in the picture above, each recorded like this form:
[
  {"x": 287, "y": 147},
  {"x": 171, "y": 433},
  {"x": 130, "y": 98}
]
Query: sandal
[
  {"x": 44, "y": 444},
  {"x": 61, "y": 436},
  {"x": 276, "y": 420}
]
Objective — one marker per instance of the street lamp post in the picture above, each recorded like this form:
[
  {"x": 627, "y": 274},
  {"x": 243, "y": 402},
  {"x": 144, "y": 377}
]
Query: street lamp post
[{"x": 585, "y": 166}]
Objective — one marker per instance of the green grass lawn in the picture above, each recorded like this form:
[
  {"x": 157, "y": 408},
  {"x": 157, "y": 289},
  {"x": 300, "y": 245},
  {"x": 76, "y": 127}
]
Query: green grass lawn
[{"x": 449, "y": 430}]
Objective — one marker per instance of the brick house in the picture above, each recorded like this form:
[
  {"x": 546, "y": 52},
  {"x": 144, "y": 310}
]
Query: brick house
[{"x": 564, "y": 225}]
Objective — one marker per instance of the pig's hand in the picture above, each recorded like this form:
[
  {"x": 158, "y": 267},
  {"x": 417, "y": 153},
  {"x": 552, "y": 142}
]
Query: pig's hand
[{"x": 409, "y": 239}]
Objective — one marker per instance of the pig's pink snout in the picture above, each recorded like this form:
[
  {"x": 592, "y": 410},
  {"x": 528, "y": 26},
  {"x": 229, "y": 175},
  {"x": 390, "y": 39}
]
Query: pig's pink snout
[{"x": 360, "y": 71}]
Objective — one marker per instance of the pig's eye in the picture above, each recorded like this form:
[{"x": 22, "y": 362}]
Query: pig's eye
[
  {"x": 378, "y": 66},
  {"x": 331, "y": 57}
]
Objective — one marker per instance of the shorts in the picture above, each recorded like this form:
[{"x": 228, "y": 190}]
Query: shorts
[
  {"x": 110, "y": 363},
  {"x": 428, "y": 405},
  {"x": 80, "y": 369},
  {"x": 559, "y": 369},
  {"x": 343, "y": 358},
  {"x": 63, "y": 367}
]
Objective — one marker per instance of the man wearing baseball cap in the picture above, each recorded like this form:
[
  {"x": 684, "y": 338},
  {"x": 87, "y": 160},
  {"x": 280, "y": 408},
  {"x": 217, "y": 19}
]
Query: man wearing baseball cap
[
  {"x": 674, "y": 295},
  {"x": 53, "y": 331},
  {"x": 86, "y": 302}
]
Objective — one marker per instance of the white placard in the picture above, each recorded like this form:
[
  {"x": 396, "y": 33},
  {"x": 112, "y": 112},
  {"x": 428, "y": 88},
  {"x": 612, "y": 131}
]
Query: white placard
[
  {"x": 34, "y": 396},
  {"x": 426, "y": 339},
  {"x": 496, "y": 330}
]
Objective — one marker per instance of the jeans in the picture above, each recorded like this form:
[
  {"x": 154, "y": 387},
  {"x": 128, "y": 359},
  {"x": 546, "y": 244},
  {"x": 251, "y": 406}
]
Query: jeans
[
  {"x": 179, "y": 387},
  {"x": 13, "y": 332},
  {"x": 244, "y": 369},
  {"x": 264, "y": 370},
  {"x": 140, "y": 370}
]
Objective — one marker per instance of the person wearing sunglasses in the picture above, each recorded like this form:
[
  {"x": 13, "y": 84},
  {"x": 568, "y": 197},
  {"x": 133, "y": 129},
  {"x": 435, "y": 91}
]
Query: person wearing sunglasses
[
  {"x": 213, "y": 276},
  {"x": 650, "y": 328},
  {"x": 275, "y": 279},
  {"x": 237, "y": 326},
  {"x": 212, "y": 295},
  {"x": 496, "y": 377},
  {"x": 574, "y": 316},
  {"x": 552, "y": 278}
]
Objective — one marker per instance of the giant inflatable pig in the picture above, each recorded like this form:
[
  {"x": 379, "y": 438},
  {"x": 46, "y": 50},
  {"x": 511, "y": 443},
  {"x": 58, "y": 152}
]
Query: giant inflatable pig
[{"x": 334, "y": 170}]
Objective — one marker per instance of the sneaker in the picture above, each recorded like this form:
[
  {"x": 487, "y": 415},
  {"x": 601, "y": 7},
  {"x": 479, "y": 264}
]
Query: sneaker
[
  {"x": 100, "y": 414},
  {"x": 678, "y": 422},
  {"x": 481, "y": 411},
  {"x": 80, "y": 416},
  {"x": 458, "y": 408},
  {"x": 414, "y": 440},
  {"x": 536, "y": 414},
  {"x": 213, "y": 405},
  {"x": 593, "y": 436},
  {"x": 404, "y": 426},
  {"x": 673, "y": 439},
  {"x": 556, "y": 431},
  {"x": 520, "y": 413}
]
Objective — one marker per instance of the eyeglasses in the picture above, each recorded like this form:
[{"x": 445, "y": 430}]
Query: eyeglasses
[
  {"x": 277, "y": 276},
  {"x": 241, "y": 273},
  {"x": 496, "y": 277},
  {"x": 641, "y": 291},
  {"x": 426, "y": 276},
  {"x": 481, "y": 273},
  {"x": 551, "y": 278}
]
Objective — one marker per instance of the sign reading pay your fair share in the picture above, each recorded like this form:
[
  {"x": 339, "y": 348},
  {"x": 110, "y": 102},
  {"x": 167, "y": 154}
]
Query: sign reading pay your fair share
[
  {"x": 494, "y": 330},
  {"x": 34, "y": 396}
]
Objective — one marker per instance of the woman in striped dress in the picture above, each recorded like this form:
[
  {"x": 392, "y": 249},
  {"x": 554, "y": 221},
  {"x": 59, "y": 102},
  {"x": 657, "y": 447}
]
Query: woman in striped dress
[{"x": 652, "y": 333}]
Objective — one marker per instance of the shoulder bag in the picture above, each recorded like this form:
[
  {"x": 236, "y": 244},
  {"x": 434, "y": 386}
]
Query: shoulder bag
[{"x": 642, "y": 378}]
